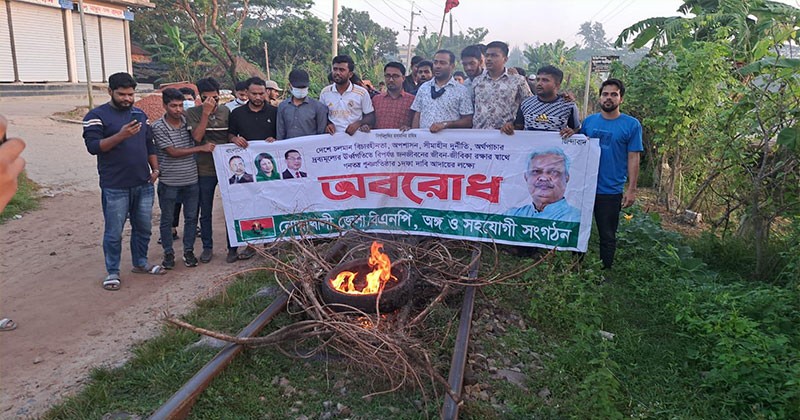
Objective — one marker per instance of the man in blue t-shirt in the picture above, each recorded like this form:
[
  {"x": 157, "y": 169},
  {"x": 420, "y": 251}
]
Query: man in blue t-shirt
[
  {"x": 620, "y": 144},
  {"x": 118, "y": 134}
]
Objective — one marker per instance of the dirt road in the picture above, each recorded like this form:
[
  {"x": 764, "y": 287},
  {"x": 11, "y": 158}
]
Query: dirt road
[{"x": 51, "y": 267}]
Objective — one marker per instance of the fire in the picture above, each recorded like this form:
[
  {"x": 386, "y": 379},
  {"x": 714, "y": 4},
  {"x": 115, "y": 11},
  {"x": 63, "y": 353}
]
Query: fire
[{"x": 381, "y": 273}]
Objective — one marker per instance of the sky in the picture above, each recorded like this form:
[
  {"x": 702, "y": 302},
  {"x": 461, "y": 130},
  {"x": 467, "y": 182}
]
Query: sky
[{"x": 516, "y": 22}]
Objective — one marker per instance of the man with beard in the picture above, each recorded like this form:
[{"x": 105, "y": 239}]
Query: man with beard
[
  {"x": 547, "y": 111},
  {"x": 442, "y": 102},
  {"x": 547, "y": 176},
  {"x": 620, "y": 144},
  {"x": 300, "y": 115},
  {"x": 497, "y": 93},
  {"x": 208, "y": 123},
  {"x": 410, "y": 83},
  {"x": 258, "y": 120},
  {"x": 393, "y": 108},
  {"x": 424, "y": 73},
  {"x": 472, "y": 61},
  {"x": 118, "y": 134},
  {"x": 349, "y": 105}
]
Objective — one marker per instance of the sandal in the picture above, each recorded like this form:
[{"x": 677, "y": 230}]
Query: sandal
[
  {"x": 154, "y": 269},
  {"x": 111, "y": 282},
  {"x": 7, "y": 324}
]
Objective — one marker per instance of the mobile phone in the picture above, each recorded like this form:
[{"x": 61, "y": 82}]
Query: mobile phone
[{"x": 137, "y": 116}]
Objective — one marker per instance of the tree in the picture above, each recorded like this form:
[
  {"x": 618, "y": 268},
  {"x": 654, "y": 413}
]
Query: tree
[
  {"x": 218, "y": 24},
  {"x": 553, "y": 53},
  {"x": 426, "y": 46},
  {"x": 296, "y": 40},
  {"x": 356, "y": 25},
  {"x": 594, "y": 36}
]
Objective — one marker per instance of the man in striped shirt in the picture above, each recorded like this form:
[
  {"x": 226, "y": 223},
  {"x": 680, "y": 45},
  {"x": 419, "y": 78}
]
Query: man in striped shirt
[
  {"x": 547, "y": 110},
  {"x": 175, "y": 149}
]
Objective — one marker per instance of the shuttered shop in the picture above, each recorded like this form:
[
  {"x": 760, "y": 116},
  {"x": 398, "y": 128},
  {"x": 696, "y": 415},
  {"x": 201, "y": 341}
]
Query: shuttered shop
[
  {"x": 40, "y": 45},
  {"x": 93, "y": 39},
  {"x": 6, "y": 62},
  {"x": 115, "y": 50}
]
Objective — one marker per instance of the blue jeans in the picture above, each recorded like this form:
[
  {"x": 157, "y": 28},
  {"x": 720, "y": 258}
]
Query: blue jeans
[
  {"x": 208, "y": 185},
  {"x": 168, "y": 196},
  {"x": 118, "y": 205}
]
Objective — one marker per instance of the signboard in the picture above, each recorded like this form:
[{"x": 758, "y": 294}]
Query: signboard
[
  {"x": 529, "y": 189},
  {"x": 602, "y": 63},
  {"x": 61, "y": 4},
  {"x": 95, "y": 9}
]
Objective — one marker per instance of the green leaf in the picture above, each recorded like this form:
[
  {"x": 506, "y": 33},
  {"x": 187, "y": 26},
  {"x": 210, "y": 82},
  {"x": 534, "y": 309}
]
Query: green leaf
[{"x": 790, "y": 138}]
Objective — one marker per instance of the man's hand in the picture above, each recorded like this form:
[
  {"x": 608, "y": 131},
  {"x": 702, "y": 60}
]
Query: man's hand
[
  {"x": 628, "y": 198},
  {"x": 404, "y": 128},
  {"x": 364, "y": 128},
  {"x": 240, "y": 141},
  {"x": 11, "y": 164},
  {"x": 154, "y": 176},
  {"x": 130, "y": 129},
  {"x": 208, "y": 106},
  {"x": 352, "y": 128},
  {"x": 271, "y": 139},
  {"x": 566, "y": 132},
  {"x": 208, "y": 147},
  {"x": 437, "y": 127},
  {"x": 507, "y": 128},
  {"x": 330, "y": 128},
  {"x": 512, "y": 70},
  {"x": 568, "y": 96}
]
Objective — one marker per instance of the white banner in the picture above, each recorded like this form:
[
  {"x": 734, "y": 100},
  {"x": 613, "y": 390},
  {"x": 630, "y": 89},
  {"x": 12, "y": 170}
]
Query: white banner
[{"x": 529, "y": 189}]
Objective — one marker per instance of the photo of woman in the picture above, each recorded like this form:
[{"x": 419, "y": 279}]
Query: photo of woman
[{"x": 267, "y": 169}]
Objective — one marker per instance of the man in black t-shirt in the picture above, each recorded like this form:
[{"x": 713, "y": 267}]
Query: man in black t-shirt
[
  {"x": 255, "y": 121},
  {"x": 547, "y": 110}
]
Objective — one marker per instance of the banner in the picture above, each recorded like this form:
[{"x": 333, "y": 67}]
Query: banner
[{"x": 529, "y": 189}]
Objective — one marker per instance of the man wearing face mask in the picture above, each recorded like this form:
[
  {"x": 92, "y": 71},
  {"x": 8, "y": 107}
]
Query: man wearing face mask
[
  {"x": 300, "y": 115},
  {"x": 240, "y": 96}
]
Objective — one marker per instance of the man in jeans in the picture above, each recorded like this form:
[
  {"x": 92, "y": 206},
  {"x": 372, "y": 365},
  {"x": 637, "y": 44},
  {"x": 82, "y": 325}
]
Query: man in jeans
[
  {"x": 178, "y": 180},
  {"x": 208, "y": 123},
  {"x": 118, "y": 134},
  {"x": 620, "y": 145}
]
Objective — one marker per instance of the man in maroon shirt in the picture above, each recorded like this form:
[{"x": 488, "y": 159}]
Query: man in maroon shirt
[{"x": 393, "y": 108}]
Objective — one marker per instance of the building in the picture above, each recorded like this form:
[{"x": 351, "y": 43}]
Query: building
[{"x": 41, "y": 40}]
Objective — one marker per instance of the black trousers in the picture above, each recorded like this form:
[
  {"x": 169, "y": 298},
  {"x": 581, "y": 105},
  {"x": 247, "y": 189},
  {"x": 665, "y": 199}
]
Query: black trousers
[{"x": 606, "y": 215}]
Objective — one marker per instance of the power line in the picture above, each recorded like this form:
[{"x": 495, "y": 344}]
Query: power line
[
  {"x": 392, "y": 9},
  {"x": 601, "y": 9},
  {"x": 621, "y": 10},
  {"x": 621, "y": 5},
  {"x": 384, "y": 14}
]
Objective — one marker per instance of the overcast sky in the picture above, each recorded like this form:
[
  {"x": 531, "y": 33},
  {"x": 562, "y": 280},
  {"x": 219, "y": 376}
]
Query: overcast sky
[{"x": 517, "y": 22}]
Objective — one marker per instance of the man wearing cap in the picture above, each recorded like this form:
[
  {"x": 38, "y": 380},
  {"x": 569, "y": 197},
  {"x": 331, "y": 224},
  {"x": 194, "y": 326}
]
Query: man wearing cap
[
  {"x": 273, "y": 93},
  {"x": 300, "y": 115}
]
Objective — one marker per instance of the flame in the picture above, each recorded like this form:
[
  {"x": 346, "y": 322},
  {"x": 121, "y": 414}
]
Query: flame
[{"x": 381, "y": 273}]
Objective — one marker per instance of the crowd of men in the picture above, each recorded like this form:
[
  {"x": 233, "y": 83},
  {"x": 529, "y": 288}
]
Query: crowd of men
[{"x": 133, "y": 154}]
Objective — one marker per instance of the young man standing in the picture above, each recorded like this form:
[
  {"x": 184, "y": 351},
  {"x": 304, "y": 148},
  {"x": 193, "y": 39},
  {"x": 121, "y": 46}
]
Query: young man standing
[
  {"x": 349, "y": 105},
  {"x": 300, "y": 115},
  {"x": 208, "y": 123},
  {"x": 442, "y": 102},
  {"x": 472, "y": 61},
  {"x": 620, "y": 144},
  {"x": 258, "y": 120},
  {"x": 178, "y": 182},
  {"x": 393, "y": 108},
  {"x": 118, "y": 134},
  {"x": 497, "y": 93},
  {"x": 547, "y": 111},
  {"x": 240, "y": 96}
]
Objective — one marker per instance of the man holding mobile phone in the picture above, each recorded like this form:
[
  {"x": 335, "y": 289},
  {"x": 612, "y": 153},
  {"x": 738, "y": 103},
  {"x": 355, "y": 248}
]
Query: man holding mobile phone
[{"x": 118, "y": 134}]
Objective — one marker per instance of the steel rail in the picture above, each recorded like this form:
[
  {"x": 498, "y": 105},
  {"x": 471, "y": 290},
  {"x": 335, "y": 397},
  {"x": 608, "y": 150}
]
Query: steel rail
[{"x": 459, "y": 361}]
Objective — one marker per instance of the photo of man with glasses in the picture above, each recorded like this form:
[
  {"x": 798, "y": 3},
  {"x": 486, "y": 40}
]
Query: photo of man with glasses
[{"x": 293, "y": 163}]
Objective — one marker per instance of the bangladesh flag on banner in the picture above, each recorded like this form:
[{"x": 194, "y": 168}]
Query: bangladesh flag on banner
[
  {"x": 449, "y": 5},
  {"x": 256, "y": 228}
]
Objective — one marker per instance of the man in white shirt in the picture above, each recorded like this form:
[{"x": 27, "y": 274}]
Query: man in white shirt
[{"x": 349, "y": 105}]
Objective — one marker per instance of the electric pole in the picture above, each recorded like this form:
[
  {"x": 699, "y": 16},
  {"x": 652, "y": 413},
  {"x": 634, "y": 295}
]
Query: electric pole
[
  {"x": 410, "y": 31},
  {"x": 335, "y": 29}
]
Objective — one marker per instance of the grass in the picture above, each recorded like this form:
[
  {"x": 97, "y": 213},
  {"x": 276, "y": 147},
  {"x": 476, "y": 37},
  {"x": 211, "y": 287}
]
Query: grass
[
  {"x": 690, "y": 342},
  {"x": 24, "y": 200}
]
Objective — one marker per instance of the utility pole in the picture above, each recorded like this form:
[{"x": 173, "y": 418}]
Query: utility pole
[
  {"x": 451, "y": 26},
  {"x": 410, "y": 31},
  {"x": 335, "y": 29},
  {"x": 86, "y": 60}
]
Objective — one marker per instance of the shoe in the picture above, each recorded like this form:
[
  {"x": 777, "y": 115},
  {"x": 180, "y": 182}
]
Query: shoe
[
  {"x": 206, "y": 255},
  {"x": 169, "y": 261},
  {"x": 174, "y": 234},
  {"x": 189, "y": 259},
  {"x": 247, "y": 253},
  {"x": 232, "y": 256}
]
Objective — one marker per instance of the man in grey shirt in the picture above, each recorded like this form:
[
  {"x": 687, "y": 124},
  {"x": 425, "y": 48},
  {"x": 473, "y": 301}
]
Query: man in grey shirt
[{"x": 300, "y": 115}]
